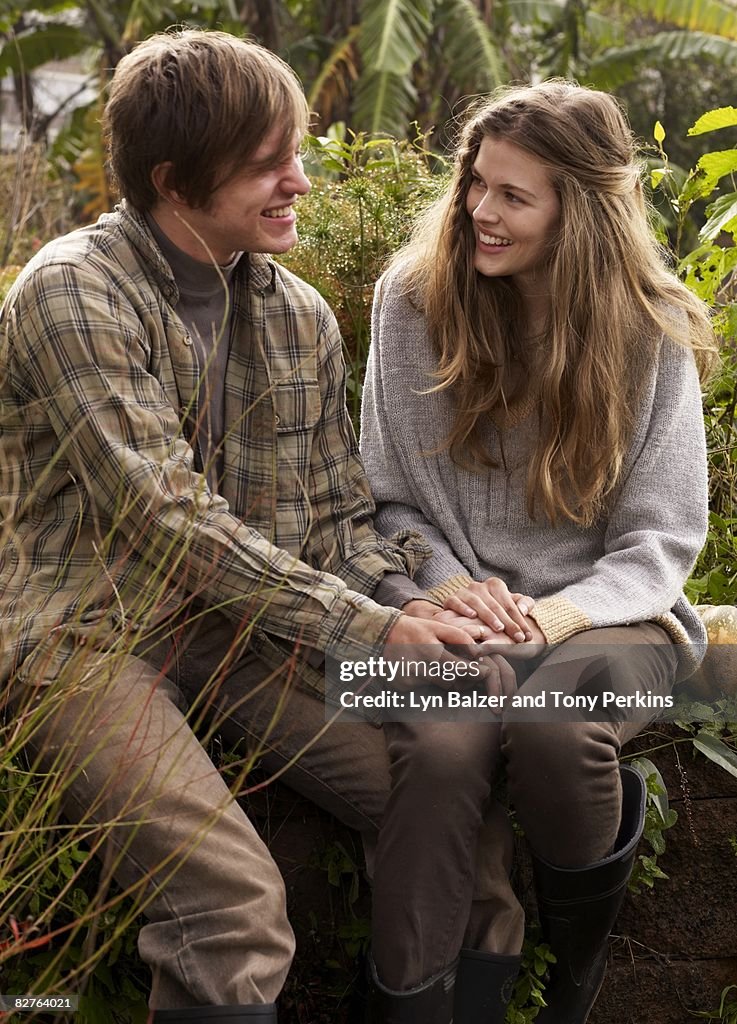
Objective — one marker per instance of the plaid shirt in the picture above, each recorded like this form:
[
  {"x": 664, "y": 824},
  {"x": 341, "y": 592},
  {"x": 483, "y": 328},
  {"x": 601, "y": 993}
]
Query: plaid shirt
[{"x": 107, "y": 518}]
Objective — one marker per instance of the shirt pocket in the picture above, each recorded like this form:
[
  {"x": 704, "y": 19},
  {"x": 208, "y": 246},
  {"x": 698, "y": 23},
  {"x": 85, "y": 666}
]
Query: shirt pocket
[{"x": 297, "y": 407}]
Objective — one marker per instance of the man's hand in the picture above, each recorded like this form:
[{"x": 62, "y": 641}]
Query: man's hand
[
  {"x": 420, "y": 609},
  {"x": 492, "y": 604},
  {"x": 409, "y": 629},
  {"x": 427, "y": 641}
]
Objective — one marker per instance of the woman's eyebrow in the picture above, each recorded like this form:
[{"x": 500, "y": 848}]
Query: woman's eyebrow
[{"x": 507, "y": 184}]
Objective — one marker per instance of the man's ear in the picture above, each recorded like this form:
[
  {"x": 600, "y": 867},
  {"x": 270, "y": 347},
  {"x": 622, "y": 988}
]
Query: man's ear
[{"x": 161, "y": 179}]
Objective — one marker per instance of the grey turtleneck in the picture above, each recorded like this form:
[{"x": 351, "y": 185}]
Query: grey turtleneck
[{"x": 203, "y": 290}]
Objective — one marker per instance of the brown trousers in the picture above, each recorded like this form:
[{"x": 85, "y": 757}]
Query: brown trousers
[
  {"x": 441, "y": 877},
  {"x": 119, "y": 735}
]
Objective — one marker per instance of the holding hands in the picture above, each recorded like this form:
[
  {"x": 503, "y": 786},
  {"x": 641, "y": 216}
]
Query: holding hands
[
  {"x": 492, "y": 605},
  {"x": 490, "y": 615}
]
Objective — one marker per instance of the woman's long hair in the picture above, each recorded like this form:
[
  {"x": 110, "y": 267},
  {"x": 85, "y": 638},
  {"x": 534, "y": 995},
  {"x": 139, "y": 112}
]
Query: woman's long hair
[{"x": 612, "y": 297}]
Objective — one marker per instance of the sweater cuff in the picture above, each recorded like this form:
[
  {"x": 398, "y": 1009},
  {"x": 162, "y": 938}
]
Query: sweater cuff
[
  {"x": 449, "y": 587},
  {"x": 559, "y": 618}
]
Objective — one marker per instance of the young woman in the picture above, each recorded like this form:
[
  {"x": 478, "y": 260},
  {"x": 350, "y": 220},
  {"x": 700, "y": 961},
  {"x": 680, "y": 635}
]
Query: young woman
[{"x": 532, "y": 406}]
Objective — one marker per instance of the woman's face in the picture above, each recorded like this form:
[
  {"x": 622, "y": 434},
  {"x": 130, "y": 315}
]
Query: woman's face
[{"x": 515, "y": 212}]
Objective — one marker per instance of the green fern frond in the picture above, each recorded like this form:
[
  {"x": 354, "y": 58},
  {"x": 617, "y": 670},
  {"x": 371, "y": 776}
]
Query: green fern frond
[
  {"x": 618, "y": 64},
  {"x": 469, "y": 49},
  {"x": 713, "y": 17}
]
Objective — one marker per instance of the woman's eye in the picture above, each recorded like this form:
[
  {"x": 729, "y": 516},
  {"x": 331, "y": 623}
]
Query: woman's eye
[{"x": 513, "y": 197}]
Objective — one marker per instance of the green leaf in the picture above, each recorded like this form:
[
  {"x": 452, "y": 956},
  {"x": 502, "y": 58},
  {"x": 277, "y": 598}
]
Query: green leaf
[
  {"x": 716, "y": 165},
  {"x": 703, "y": 271},
  {"x": 620, "y": 64},
  {"x": 722, "y": 216},
  {"x": 341, "y": 56},
  {"x": 652, "y": 871},
  {"x": 469, "y": 49},
  {"x": 717, "y": 751},
  {"x": 713, "y": 120},
  {"x": 658, "y": 793},
  {"x": 383, "y": 102},
  {"x": 713, "y": 16},
  {"x": 659, "y": 132},
  {"x": 29, "y": 50},
  {"x": 392, "y": 33},
  {"x": 393, "y": 37},
  {"x": 656, "y": 841}
]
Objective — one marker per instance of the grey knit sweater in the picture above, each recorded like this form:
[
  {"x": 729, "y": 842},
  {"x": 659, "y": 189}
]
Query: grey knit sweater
[{"x": 629, "y": 567}]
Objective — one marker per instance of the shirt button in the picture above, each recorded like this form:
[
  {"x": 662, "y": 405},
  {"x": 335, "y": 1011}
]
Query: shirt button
[
  {"x": 187, "y": 340},
  {"x": 277, "y": 419}
]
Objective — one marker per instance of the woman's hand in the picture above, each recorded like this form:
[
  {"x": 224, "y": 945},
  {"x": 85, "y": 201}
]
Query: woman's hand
[
  {"x": 490, "y": 644},
  {"x": 475, "y": 628},
  {"x": 491, "y": 603}
]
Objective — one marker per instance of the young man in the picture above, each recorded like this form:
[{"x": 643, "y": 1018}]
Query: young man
[{"x": 187, "y": 522}]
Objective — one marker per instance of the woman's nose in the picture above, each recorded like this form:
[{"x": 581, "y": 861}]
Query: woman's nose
[{"x": 486, "y": 210}]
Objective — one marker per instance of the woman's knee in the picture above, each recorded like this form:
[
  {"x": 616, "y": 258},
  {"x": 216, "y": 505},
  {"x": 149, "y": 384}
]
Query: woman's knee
[
  {"x": 442, "y": 757},
  {"x": 557, "y": 759}
]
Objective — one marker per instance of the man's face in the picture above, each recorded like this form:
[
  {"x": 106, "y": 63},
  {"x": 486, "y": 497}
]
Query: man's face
[{"x": 252, "y": 212}]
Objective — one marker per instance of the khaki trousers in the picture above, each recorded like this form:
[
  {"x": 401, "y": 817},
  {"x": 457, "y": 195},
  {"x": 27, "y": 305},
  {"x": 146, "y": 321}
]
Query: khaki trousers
[{"x": 118, "y": 736}]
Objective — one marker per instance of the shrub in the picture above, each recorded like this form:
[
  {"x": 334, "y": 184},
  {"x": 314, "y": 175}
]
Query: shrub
[{"x": 366, "y": 192}]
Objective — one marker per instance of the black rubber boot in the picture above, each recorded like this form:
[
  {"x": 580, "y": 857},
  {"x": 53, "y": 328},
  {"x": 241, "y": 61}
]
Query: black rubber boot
[
  {"x": 484, "y": 984},
  {"x": 265, "y": 1013},
  {"x": 578, "y": 908},
  {"x": 429, "y": 1003}
]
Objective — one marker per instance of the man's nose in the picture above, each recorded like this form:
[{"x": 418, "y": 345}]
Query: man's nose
[{"x": 296, "y": 180}]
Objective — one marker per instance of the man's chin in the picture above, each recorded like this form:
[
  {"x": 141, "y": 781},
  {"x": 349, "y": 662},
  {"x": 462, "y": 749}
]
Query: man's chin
[{"x": 276, "y": 248}]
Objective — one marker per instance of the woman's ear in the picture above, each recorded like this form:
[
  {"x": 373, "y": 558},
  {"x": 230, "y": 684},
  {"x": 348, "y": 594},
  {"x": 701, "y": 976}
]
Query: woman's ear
[{"x": 161, "y": 178}]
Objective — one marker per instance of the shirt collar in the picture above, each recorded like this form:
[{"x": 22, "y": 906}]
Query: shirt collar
[{"x": 261, "y": 269}]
